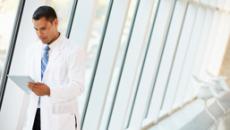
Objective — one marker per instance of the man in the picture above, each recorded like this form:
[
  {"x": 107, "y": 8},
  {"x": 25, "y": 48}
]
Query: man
[{"x": 57, "y": 65}]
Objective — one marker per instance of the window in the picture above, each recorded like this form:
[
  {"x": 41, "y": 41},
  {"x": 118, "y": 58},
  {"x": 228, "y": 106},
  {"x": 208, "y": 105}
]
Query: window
[
  {"x": 131, "y": 69},
  {"x": 62, "y": 7},
  {"x": 10, "y": 14},
  {"x": 159, "y": 40},
  {"x": 168, "y": 57},
  {"x": 141, "y": 55},
  {"x": 180, "y": 56},
  {"x": 123, "y": 46},
  {"x": 8, "y": 11},
  {"x": 89, "y": 29}
]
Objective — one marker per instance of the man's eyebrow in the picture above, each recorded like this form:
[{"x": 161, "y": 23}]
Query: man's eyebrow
[
  {"x": 43, "y": 28},
  {"x": 40, "y": 28}
]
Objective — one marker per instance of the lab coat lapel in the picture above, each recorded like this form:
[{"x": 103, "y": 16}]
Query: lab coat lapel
[{"x": 52, "y": 58}]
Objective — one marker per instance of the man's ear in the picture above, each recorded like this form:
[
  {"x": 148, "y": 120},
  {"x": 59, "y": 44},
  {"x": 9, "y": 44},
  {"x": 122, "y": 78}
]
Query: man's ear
[{"x": 55, "y": 22}]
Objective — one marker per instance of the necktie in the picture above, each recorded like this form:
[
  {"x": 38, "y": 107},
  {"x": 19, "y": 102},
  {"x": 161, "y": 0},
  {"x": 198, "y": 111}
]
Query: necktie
[{"x": 44, "y": 62}]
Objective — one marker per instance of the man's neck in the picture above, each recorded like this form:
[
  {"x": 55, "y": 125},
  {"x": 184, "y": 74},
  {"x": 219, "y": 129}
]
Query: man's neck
[{"x": 55, "y": 38}]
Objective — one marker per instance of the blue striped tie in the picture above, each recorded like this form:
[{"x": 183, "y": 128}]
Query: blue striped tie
[{"x": 44, "y": 60}]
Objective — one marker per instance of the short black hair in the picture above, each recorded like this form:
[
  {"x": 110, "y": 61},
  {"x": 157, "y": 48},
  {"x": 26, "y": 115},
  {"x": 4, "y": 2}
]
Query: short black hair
[{"x": 45, "y": 11}]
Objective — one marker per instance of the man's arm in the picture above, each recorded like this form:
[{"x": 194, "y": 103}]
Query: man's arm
[{"x": 76, "y": 76}]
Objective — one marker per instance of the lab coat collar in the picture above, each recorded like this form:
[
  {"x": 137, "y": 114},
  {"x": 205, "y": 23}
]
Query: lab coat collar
[{"x": 55, "y": 43}]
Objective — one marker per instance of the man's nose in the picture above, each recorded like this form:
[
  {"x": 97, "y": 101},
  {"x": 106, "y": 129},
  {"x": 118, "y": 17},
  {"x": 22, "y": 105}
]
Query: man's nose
[{"x": 39, "y": 33}]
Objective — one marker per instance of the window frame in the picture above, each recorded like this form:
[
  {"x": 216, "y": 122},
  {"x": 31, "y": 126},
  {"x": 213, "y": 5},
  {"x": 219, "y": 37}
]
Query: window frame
[{"x": 10, "y": 52}]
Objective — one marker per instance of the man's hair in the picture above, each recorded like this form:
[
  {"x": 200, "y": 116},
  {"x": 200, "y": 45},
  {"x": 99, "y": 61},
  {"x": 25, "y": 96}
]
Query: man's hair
[{"x": 46, "y": 12}]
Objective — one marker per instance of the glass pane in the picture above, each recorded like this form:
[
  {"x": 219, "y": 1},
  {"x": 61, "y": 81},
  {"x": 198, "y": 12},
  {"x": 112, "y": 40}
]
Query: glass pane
[
  {"x": 93, "y": 45},
  {"x": 8, "y": 11},
  {"x": 63, "y": 9},
  {"x": 180, "y": 57},
  {"x": 168, "y": 57},
  {"x": 118, "y": 64},
  {"x": 159, "y": 37}
]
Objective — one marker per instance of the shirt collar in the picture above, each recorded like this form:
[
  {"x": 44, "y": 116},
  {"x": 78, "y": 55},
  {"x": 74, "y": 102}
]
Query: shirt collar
[{"x": 55, "y": 43}]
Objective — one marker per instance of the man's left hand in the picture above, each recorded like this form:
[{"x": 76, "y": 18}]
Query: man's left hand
[{"x": 40, "y": 89}]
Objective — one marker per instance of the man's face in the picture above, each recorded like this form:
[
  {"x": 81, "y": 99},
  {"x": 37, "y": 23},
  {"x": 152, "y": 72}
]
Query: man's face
[{"x": 45, "y": 29}]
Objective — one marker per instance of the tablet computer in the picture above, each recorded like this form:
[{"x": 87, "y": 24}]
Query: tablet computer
[{"x": 21, "y": 81}]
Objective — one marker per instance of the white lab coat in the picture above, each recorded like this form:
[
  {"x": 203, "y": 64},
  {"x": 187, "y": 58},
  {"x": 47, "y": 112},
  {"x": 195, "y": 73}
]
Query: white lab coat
[{"x": 64, "y": 75}]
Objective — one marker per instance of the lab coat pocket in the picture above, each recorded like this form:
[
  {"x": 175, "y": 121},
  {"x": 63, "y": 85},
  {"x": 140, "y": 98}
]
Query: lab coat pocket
[
  {"x": 64, "y": 115},
  {"x": 64, "y": 107}
]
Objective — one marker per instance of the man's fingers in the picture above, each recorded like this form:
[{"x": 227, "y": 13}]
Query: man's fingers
[
  {"x": 30, "y": 85},
  {"x": 33, "y": 86},
  {"x": 35, "y": 89},
  {"x": 39, "y": 89},
  {"x": 38, "y": 83}
]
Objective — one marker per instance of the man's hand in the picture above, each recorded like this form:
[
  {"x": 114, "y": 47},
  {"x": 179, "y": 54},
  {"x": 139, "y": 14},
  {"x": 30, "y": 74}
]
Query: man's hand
[{"x": 39, "y": 89}]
